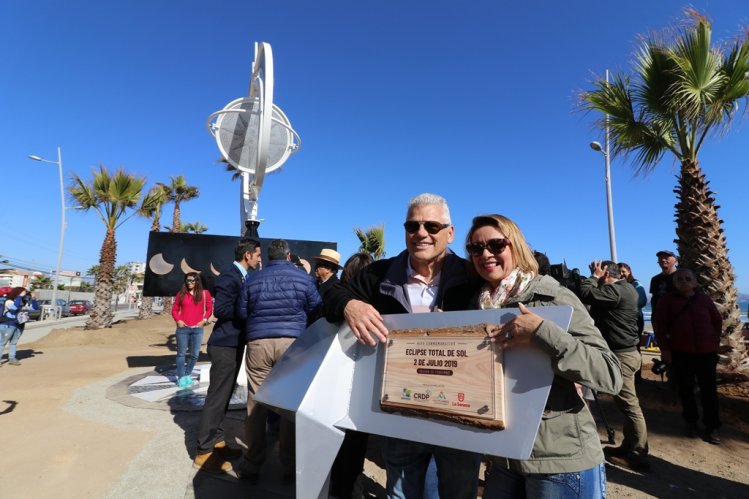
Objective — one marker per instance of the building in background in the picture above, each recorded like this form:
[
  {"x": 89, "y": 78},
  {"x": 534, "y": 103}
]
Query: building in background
[
  {"x": 14, "y": 278},
  {"x": 136, "y": 268}
]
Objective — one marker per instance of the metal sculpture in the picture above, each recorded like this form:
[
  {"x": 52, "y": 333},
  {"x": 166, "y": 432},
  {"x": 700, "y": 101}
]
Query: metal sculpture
[{"x": 254, "y": 136}]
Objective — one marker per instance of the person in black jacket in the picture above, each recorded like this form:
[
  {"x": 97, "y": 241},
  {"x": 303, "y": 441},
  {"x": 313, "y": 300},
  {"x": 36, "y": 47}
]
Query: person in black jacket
[
  {"x": 225, "y": 349},
  {"x": 613, "y": 306},
  {"x": 327, "y": 265},
  {"x": 417, "y": 280}
]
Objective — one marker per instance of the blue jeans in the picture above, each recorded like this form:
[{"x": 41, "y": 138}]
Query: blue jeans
[
  {"x": 407, "y": 462},
  {"x": 587, "y": 484},
  {"x": 9, "y": 334},
  {"x": 192, "y": 336}
]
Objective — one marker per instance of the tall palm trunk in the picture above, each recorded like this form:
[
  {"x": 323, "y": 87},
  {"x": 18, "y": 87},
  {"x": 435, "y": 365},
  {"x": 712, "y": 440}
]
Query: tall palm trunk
[
  {"x": 702, "y": 248},
  {"x": 176, "y": 218},
  {"x": 146, "y": 308},
  {"x": 102, "y": 315},
  {"x": 146, "y": 304}
]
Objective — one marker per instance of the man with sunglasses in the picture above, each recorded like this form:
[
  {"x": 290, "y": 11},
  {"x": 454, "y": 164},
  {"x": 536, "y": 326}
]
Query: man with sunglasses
[
  {"x": 417, "y": 280},
  {"x": 225, "y": 349}
]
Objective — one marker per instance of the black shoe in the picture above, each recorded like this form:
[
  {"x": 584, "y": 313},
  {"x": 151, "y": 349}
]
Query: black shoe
[
  {"x": 713, "y": 437},
  {"x": 615, "y": 451}
]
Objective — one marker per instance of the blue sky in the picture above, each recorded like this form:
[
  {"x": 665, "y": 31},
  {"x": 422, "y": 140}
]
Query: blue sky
[{"x": 471, "y": 100}]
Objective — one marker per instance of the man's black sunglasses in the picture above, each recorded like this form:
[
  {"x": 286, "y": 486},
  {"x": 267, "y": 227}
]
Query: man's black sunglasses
[
  {"x": 495, "y": 246},
  {"x": 431, "y": 227}
]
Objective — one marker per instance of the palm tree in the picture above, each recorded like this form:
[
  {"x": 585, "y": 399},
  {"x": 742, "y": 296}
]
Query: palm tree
[
  {"x": 235, "y": 173},
  {"x": 680, "y": 93},
  {"x": 196, "y": 227},
  {"x": 41, "y": 282},
  {"x": 177, "y": 192},
  {"x": 93, "y": 270},
  {"x": 111, "y": 196},
  {"x": 372, "y": 241},
  {"x": 123, "y": 278},
  {"x": 151, "y": 208}
]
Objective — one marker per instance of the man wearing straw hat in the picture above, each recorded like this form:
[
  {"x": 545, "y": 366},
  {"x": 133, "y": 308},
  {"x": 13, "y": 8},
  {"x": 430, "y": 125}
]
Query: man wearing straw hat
[{"x": 327, "y": 265}]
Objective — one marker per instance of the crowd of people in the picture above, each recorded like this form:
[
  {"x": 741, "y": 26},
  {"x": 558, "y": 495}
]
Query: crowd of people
[{"x": 263, "y": 312}]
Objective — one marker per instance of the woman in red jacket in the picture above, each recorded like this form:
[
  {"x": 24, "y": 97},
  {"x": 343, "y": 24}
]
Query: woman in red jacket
[
  {"x": 192, "y": 309},
  {"x": 688, "y": 327}
]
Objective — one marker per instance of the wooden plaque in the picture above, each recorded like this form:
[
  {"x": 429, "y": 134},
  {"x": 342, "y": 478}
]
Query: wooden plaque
[{"x": 452, "y": 373}]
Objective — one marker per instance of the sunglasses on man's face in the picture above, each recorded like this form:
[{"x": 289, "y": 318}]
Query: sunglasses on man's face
[
  {"x": 431, "y": 227},
  {"x": 495, "y": 246}
]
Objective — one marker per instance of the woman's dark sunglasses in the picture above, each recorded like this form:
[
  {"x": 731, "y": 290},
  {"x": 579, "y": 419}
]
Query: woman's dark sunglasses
[
  {"x": 431, "y": 227},
  {"x": 495, "y": 246},
  {"x": 189, "y": 280}
]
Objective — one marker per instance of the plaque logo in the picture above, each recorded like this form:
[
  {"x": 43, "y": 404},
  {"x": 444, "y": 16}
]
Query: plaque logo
[{"x": 461, "y": 397}]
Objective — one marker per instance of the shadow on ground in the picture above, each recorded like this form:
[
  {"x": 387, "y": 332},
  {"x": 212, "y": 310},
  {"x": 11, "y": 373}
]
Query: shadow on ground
[
  {"x": 690, "y": 483},
  {"x": 159, "y": 361},
  {"x": 662, "y": 410},
  {"x": 23, "y": 353}
]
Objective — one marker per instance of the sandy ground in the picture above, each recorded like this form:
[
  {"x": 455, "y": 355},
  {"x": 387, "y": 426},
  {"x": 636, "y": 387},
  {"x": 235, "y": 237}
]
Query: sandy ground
[{"x": 62, "y": 437}]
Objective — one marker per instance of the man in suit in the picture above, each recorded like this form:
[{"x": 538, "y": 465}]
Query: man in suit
[{"x": 225, "y": 349}]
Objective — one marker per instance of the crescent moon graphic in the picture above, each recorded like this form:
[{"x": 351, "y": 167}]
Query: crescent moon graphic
[
  {"x": 186, "y": 268},
  {"x": 158, "y": 265},
  {"x": 213, "y": 269}
]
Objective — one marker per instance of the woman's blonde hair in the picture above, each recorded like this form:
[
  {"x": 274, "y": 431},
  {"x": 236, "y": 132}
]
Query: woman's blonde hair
[{"x": 521, "y": 253}]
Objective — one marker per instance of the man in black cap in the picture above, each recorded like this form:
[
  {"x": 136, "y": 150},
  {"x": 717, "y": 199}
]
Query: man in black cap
[{"x": 662, "y": 283}]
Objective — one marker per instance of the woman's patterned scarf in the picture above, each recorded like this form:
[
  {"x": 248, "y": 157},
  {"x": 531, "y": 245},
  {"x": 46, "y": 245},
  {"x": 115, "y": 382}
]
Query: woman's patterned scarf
[{"x": 511, "y": 286}]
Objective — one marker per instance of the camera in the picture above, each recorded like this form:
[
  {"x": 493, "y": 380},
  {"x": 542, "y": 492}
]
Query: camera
[
  {"x": 570, "y": 279},
  {"x": 659, "y": 366}
]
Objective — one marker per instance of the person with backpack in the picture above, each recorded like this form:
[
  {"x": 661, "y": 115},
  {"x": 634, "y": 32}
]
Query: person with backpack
[
  {"x": 15, "y": 315},
  {"x": 191, "y": 310}
]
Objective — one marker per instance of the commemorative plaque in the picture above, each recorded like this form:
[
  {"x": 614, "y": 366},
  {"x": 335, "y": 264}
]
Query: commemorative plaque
[{"x": 453, "y": 373}]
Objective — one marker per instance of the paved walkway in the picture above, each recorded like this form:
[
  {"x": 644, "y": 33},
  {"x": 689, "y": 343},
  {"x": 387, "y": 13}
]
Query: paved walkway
[{"x": 150, "y": 400}]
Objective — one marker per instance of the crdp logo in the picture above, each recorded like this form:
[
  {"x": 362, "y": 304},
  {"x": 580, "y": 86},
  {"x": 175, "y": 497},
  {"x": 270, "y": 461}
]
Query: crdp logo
[
  {"x": 422, "y": 396},
  {"x": 406, "y": 395}
]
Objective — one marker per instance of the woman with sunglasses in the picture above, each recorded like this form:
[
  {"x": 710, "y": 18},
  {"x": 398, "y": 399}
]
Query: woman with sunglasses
[
  {"x": 191, "y": 310},
  {"x": 567, "y": 459}
]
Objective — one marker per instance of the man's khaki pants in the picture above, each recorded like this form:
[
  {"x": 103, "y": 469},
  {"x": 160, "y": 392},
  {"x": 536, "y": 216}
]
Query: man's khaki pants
[{"x": 261, "y": 357}]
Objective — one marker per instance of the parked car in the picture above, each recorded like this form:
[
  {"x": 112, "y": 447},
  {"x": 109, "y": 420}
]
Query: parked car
[
  {"x": 60, "y": 303},
  {"x": 80, "y": 307}
]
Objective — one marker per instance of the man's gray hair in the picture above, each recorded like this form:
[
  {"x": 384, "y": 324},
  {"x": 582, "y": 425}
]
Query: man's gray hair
[
  {"x": 430, "y": 199},
  {"x": 612, "y": 268},
  {"x": 278, "y": 249}
]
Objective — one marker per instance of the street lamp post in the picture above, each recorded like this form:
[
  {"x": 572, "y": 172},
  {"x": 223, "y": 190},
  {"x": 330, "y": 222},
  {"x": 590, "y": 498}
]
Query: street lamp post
[
  {"x": 62, "y": 226},
  {"x": 609, "y": 203},
  {"x": 596, "y": 146}
]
